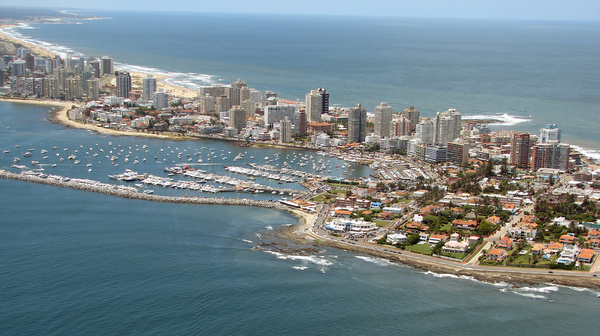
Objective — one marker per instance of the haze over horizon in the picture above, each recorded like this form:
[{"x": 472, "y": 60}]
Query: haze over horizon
[{"x": 574, "y": 10}]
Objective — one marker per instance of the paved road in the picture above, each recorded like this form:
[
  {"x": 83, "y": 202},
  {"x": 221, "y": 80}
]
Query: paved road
[{"x": 318, "y": 231}]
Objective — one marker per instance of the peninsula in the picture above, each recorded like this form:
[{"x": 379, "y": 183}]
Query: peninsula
[{"x": 445, "y": 194}]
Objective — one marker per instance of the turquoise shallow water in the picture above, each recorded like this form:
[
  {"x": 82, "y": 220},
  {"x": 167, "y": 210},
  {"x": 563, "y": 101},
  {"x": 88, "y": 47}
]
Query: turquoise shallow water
[{"x": 82, "y": 263}]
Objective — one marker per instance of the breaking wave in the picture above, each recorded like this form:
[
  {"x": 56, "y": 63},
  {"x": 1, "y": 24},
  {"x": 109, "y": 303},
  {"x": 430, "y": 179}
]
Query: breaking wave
[
  {"x": 502, "y": 119},
  {"x": 189, "y": 80}
]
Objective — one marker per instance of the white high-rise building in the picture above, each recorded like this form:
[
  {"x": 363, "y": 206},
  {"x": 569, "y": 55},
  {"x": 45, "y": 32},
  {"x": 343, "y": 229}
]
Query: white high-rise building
[
  {"x": 317, "y": 103},
  {"x": 148, "y": 88},
  {"x": 447, "y": 126},
  {"x": 425, "y": 132},
  {"x": 383, "y": 120},
  {"x": 276, "y": 113},
  {"x": 550, "y": 134}
]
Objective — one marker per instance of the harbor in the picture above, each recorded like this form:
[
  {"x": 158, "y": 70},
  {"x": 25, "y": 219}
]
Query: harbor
[{"x": 130, "y": 192}]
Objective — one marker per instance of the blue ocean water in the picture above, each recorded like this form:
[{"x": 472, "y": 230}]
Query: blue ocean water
[
  {"x": 81, "y": 263},
  {"x": 540, "y": 71}
]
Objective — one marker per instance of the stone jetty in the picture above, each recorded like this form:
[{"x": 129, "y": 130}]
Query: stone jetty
[{"x": 127, "y": 192}]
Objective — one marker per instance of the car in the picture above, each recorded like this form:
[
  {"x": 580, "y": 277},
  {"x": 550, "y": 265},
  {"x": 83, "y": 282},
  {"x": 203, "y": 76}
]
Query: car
[{"x": 550, "y": 272}]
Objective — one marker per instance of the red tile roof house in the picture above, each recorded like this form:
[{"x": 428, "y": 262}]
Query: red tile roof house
[
  {"x": 593, "y": 234},
  {"x": 342, "y": 213},
  {"x": 465, "y": 224},
  {"x": 567, "y": 239},
  {"x": 497, "y": 254},
  {"x": 505, "y": 243},
  {"x": 495, "y": 220},
  {"x": 586, "y": 255}
]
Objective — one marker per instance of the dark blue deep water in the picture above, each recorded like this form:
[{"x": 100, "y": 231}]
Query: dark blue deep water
[{"x": 76, "y": 263}]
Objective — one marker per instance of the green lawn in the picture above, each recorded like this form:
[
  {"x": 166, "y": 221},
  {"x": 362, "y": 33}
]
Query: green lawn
[
  {"x": 446, "y": 228},
  {"x": 420, "y": 248},
  {"x": 381, "y": 223}
]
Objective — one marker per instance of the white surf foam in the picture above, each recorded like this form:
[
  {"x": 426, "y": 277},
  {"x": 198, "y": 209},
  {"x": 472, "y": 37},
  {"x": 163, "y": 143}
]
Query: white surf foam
[
  {"x": 190, "y": 80},
  {"x": 377, "y": 261},
  {"x": 546, "y": 289},
  {"x": 530, "y": 295},
  {"x": 503, "y": 119},
  {"x": 15, "y": 33},
  {"x": 590, "y": 153}
]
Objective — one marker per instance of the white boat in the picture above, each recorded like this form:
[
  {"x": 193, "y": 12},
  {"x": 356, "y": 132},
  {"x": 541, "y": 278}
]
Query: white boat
[{"x": 27, "y": 154}]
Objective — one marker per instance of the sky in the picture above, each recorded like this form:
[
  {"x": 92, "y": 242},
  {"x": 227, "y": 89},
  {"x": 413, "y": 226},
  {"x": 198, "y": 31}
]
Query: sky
[{"x": 572, "y": 10}]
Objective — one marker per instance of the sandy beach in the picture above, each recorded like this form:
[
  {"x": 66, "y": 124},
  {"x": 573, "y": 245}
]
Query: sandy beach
[{"x": 136, "y": 77}]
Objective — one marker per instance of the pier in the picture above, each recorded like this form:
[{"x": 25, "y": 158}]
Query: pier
[{"x": 128, "y": 192}]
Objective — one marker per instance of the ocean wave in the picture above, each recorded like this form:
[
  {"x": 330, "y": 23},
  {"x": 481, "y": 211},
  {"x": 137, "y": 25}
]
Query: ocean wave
[
  {"x": 320, "y": 261},
  {"x": 530, "y": 295},
  {"x": 377, "y": 261},
  {"x": 447, "y": 275},
  {"x": 546, "y": 289},
  {"x": 62, "y": 51},
  {"x": 190, "y": 80},
  {"x": 581, "y": 289},
  {"x": 593, "y": 154},
  {"x": 503, "y": 119}
]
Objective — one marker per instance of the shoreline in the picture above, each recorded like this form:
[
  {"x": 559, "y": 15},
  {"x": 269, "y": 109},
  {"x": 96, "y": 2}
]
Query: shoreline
[
  {"x": 515, "y": 276},
  {"x": 301, "y": 233}
]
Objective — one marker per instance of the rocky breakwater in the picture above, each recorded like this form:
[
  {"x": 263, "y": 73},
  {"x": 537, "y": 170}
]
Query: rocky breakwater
[{"x": 132, "y": 193}]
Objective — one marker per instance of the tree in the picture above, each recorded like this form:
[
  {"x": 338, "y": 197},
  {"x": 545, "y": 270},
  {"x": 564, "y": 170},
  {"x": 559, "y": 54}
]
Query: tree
[
  {"x": 413, "y": 239},
  {"x": 485, "y": 228},
  {"x": 438, "y": 247}
]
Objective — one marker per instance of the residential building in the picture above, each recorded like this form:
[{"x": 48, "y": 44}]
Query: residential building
[
  {"x": 401, "y": 126},
  {"x": 549, "y": 134},
  {"x": 497, "y": 255},
  {"x": 148, "y": 88},
  {"x": 436, "y": 154},
  {"x": 413, "y": 115},
  {"x": 455, "y": 247},
  {"x": 383, "y": 120},
  {"x": 107, "y": 65},
  {"x": 447, "y": 126},
  {"x": 236, "y": 91},
  {"x": 237, "y": 118},
  {"x": 73, "y": 89},
  {"x": 317, "y": 103},
  {"x": 286, "y": 130},
  {"x": 161, "y": 100},
  {"x": 18, "y": 68},
  {"x": 123, "y": 85},
  {"x": 276, "y": 113},
  {"x": 458, "y": 152},
  {"x": 424, "y": 132},
  {"x": 396, "y": 238},
  {"x": 520, "y": 147},
  {"x": 550, "y": 155},
  {"x": 357, "y": 124},
  {"x": 93, "y": 89}
]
